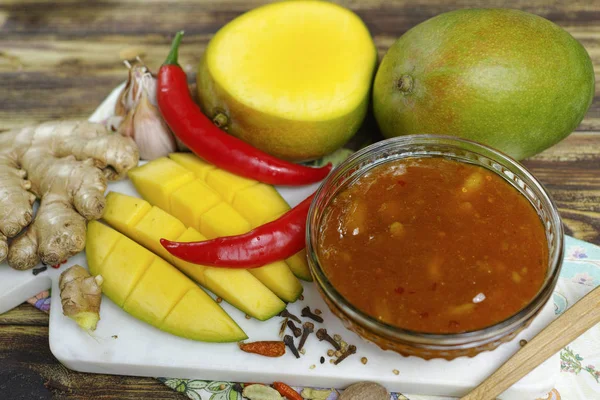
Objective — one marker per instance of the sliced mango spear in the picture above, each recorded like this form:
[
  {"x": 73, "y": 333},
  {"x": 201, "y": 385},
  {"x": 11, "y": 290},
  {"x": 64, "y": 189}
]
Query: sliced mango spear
[
  {"x": 170, "y": 175},
  {"x": 238, "y": 287},
  {"x": 219, "y": 220},
  {"x": 152, "y": 290},
  {"x": 257, "y": 202}
]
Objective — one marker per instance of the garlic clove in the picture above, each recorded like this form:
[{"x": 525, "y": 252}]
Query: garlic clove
[
  {"x": 151, "y": 133},
  {"x": 126, "y": 127}
]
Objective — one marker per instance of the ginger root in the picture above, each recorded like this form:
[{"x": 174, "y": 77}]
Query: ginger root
[
  {"x": 65, "y": 164},
  {"x": 80, "y": 296}
]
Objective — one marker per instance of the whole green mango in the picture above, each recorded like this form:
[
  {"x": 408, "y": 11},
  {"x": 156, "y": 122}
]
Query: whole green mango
[{"x": 512, "y": 80}]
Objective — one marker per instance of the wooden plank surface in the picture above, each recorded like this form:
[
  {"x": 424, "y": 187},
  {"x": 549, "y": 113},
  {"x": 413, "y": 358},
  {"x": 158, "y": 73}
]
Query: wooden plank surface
[{"x": 59, "y": 59}]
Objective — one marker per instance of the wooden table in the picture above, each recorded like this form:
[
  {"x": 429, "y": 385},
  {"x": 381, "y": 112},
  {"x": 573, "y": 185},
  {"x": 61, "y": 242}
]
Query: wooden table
[{"x": 59, "y": 59}]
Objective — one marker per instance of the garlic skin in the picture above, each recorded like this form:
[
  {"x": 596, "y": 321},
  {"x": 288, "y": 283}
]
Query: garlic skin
[
  {"x": 137, "y": 115},
  {"x": 150, "y": 131}
]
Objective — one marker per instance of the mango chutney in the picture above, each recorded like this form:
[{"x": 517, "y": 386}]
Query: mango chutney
[{"x": 433, "y": 245}]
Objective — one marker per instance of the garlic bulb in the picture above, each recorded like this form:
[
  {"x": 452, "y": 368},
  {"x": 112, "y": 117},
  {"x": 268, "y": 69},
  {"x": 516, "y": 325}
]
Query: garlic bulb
[{"x": 137, "y": 115}]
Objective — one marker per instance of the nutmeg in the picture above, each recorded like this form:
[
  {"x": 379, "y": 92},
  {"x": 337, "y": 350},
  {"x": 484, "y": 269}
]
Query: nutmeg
[{"x": 365, "y": 391}]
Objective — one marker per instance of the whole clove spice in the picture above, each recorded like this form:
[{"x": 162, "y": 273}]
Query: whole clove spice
[
  {"x": 308, "y": 314},
  {"x": 289, "y": 342},
  {"x": 322, "y": 335},
  {"x": 295, "y": 330},
  {"x": 351, "y": 350},
  {"x": 286, "y": 314},
  {"x": 37, "y": 271},
  {"x": 308, "y": 328}
]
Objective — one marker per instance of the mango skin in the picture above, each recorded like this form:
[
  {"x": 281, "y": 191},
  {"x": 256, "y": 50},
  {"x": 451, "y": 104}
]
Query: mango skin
[{"x": 509, "y": 79}]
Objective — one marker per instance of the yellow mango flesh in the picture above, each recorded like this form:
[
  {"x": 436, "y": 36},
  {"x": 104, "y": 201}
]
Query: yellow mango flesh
[
  {"x": 122, "y": 268},
  {"x": 106, "y": 240},
  {"x": 157, "y": 292},
  {"x": 202, "y": 319},
  {"x": 190, "y": 212},
  {"x": 227, "y": 184},
  {"x": 152, "y": 290},
  {"x": 124, "y": 211},
  {"x": 238, "y": 287},
  {"x": 258, "y": 203},
  {"x": 157, "y": 224},
  {"x": 157, "y": 180},
  {"x": 298, "y": 87},
  {"x": 190, "y": 161},
  {"x": 224, "y": 220}
]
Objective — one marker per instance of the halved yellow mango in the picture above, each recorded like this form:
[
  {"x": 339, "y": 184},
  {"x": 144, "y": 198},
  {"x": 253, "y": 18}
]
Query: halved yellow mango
[
  {"x": 154, "y": 291},
  {"x": 238, "y": 287},
  {"x": 293, "y": 77}
]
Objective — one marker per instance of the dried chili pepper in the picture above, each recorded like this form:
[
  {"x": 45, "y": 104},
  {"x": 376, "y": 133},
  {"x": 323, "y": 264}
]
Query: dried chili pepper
[
  {"x": 286, "y": 391},
  {"x": 264, "y": 348},
  {"x": 206, "y": 140},
  {"x": 268, "y": 243}
]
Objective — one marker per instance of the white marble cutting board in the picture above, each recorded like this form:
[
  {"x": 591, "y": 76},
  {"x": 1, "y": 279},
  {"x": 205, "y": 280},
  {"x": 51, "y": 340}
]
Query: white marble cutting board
[{"x": 125, "y": 346}]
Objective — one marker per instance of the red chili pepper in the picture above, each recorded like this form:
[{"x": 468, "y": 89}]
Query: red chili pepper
[
  {"x": 265, "y": 244},
  {"x": 286, "y": 391},
  {"x": 209, "y": 142}
]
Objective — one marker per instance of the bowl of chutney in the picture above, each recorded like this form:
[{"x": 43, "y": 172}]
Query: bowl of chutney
[{"x": 434, "y": 246}]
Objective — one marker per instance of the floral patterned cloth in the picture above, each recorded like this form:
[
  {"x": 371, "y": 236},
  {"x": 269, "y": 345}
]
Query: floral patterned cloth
[{"x": 579, "y": 361}]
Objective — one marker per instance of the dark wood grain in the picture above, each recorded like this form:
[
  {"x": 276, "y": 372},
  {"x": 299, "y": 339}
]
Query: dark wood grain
[
  {"x": 26, "y": 358},
  {"x": 59, "y": 59}
]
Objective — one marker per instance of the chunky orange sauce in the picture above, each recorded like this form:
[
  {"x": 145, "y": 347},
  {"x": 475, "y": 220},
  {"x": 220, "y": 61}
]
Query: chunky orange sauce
[{"x": 433, "y": 245}]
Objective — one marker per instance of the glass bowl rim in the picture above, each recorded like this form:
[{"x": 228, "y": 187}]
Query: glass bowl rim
[{"x": 395, "y": 332}]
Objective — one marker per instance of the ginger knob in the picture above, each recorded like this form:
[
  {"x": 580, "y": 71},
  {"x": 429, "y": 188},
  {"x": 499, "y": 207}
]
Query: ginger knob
[{"x": 80, "y": 295}]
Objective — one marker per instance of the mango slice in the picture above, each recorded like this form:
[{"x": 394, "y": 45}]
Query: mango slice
[
  {"x": 219, "y": 220},
  {"x": 190, "y": 212},
  {"x": 298, "y": 87},
  {"x": 201, "y": 319},
  {"x": 299, "y": 266},
  {"x": 152, "y": 290},
  {"x": 157, "y": 180},
  {"x": 190, "y": 161},
  {"x": 258, "y": 203},
  {"x": 122, "y": 268},
  {"x": 238, "y": 287},
  {"x": 157, "y": 292},
  {"x": 124, "y": 210},
  {"x": 222, "y": 220}
]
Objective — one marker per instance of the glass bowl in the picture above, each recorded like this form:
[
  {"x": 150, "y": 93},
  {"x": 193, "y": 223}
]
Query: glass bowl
[{"x": 427, "y": 345}]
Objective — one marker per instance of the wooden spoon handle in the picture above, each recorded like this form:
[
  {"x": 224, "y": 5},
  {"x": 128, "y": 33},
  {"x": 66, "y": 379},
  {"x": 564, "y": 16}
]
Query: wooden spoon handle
[{"x": 562, "y": 331}]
